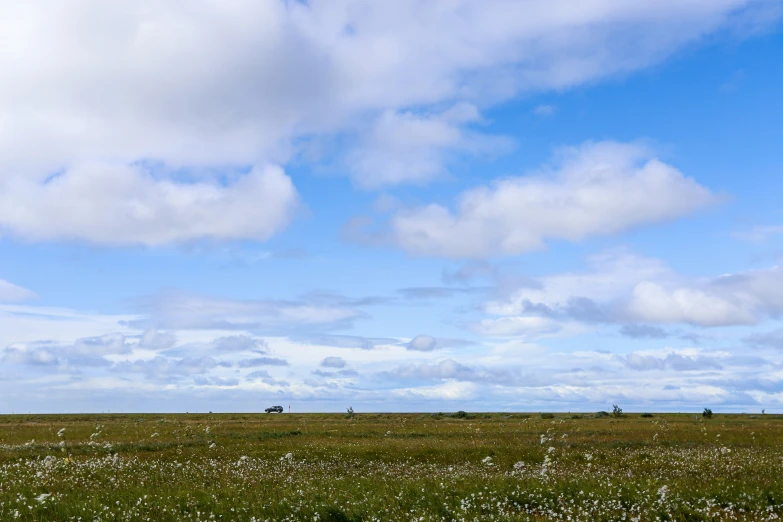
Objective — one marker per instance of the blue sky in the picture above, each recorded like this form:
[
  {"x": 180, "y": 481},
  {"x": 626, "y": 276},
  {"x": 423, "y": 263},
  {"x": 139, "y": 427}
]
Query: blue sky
[{"x": 395, "y": 206}]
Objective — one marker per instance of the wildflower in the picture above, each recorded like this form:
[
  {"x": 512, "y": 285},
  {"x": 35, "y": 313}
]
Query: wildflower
[
  {"x": 61, "y": 432},
  {"x": 42, "y": 497},
  {"x": 519, "y": 465},
  {"x": 487, "y": 461},
  {"x": 550, "y": 450},
  {"x": 663, "y": 491}
]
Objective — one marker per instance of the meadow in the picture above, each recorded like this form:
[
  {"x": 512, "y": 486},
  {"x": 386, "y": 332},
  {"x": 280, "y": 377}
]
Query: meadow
[{"x": 336, "y": 467}]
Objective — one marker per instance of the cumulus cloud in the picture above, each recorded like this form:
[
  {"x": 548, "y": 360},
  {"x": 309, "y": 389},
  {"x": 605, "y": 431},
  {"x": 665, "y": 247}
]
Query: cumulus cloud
[
  {"x": 449, "y": 369},
  {"x": 84, "y": 352},
  {"x": 653, "y": 303},
  {"x": 239, "y": 343},
  {"x": 643, "y": 331},
  {"x": 94, "y": 93},
  {"x": 674, "y": 361},
  {"x": 154, "y": 340},
  {"x": 596, "y": 189},
  {"x": 422, "y": 343},
  {"x": 161, "y": 68},
  {"x": 333, "y": 362},
  {"x": 264, "y": 377},
  {"x": 119, "y": 204},
  {"x": 11, "y": 293},
  {"x": 733, "y": 299},
  {"x": 428, "y": 343},
  {"x": 635, "y": 292},
  {"x": 406, "y": 147}
]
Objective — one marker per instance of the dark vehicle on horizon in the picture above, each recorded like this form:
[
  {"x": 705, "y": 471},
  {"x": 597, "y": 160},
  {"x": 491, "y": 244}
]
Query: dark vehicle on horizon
[{"x": 274, "y": 409}]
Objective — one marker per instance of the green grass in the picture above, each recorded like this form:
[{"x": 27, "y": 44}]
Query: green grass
[{"x": 391, "y": 467}]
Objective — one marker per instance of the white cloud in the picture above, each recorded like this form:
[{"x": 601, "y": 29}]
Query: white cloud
[
  {"x": 127, "y": 205},
  {"x": 734, "y": 299},
  {"x": 83, "y": 352},
  {"x": 596, "y": 189},
  {"x": 621, "y": 288},
  {"x": 652, "y": 303},
  {"x": 11, "y": 293},
  {"x": 406, "y": 147},
  {"x": 333, "y": 362},
  {"x": 212, "y": 86},
  {"x": 53, "y": 375},
  {"x": 676, "y": 361},
  {"x": 523, "y": 327},
  {"x": 180, "y": 310},
  {"x": 544, "y": 110},
  {"x": 609, "y": 275},
  {"x": 26, "y": 324},
  {"x": 423, "y": 343},
  {"x": 760, "y": 233}
]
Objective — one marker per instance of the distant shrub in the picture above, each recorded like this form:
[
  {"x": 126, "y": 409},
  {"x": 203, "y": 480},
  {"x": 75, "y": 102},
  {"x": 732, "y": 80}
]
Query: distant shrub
[
  {"x": 600, "y": 414},
  {"x": 547, "y": 415},
  {"x": 461, "y": 415},
  {"x": 647, "y": 415},
  {"x": 616, "y": 411},
  {"x": 707, "y": 413},
  {"x": 576, "y": 416},
  {"x": 350, "y": 412}
]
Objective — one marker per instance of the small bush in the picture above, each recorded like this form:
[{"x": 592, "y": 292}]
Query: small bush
[
  {"x": 600, "y": 414},
  {"x": 616, "y": 411},
  {"x": 576, "y": 416},
  {"x": 647, "y": 415},
  {"x": 461, "y": 415},
  {"x": 547, "y": 415},
  {"x": 707, "y": 413}
]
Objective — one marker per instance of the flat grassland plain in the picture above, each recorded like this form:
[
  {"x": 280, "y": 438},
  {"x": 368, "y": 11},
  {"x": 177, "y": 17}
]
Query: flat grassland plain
[{"x": 322, "y": 467}]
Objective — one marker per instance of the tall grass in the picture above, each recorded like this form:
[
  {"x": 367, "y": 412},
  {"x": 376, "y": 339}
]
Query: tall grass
[{"x": 391, "y": 467}]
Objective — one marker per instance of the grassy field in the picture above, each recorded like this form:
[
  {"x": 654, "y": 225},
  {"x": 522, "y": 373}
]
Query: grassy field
[{"x": 390, "y": 467}]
